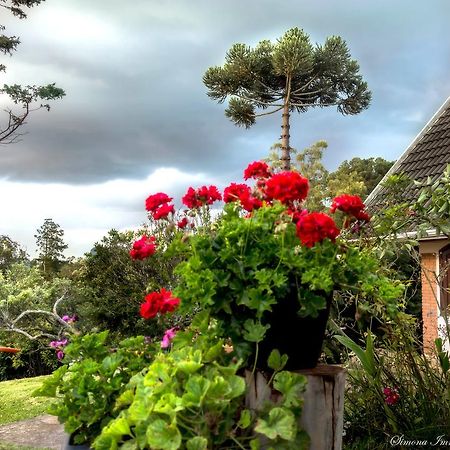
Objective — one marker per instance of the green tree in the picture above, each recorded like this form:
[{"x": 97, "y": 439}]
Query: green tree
[
  {"x": 369, "y": 170},
  {"x": 51, "y": 246},
  {"x": 10, "y": 253},
  {"x": 26, "y": 98},
  {"x": 114, "y": 285},
  {"x": 290, "y": 75}
]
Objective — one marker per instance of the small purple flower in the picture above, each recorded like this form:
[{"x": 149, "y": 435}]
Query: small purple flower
[
  {"x": 168, "y": 336},
  {"x": 60, "y": 355},
  {"x": 70, "y": 319}
]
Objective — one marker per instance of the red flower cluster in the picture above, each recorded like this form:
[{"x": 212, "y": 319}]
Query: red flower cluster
[
  {"x": 391, "y": 396},
  {"x": 143, "y": 247},
  {"x": 242, "y": 193},
  {"x": 315, "y": 227},
  {"x": 287, "y": 187},
  {"x": 351, "y": 205},
  {"x": 158, "y": 302},
  {"x": 257, "y": 169},
  {"x": 158, "y": 205},
  {"x": 182, "y": 223},
  {"x": 195, "y": 198}
]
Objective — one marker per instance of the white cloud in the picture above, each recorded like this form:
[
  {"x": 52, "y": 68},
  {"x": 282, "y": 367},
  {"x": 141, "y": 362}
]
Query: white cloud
[{"x": 85, "y": 212}]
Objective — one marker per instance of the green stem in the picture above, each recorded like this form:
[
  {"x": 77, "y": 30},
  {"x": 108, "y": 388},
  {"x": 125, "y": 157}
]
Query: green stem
[
  {"x": 256, "y": 359},
  {"x": 237, "y": 442}
]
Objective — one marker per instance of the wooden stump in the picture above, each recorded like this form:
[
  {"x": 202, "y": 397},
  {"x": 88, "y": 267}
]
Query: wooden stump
[{"x": 323, "y": 407}]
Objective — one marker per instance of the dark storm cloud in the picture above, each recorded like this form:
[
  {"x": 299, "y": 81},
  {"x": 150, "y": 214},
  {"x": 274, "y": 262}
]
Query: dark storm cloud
[{"x": 135, "y": 99}]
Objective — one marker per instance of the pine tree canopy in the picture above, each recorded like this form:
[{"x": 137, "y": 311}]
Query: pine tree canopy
[{"x": 292, "y": 75}]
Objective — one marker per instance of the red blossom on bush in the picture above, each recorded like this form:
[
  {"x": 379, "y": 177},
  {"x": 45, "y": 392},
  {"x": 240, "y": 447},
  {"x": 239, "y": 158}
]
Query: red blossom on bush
[
  {"x": 296, "y": 214},
  {"x": 234, "y": 191},
  {"x": 391, "y": 396},
  {"x": 287, "y": 187},
  {"x": 249, "y": 203},
  {"x": 351, "y": 205},
  {"x": 195, "y": 198},
  {"x": 158, "y": 302},
  {"x": 156, "y": 200},
  {"x": 182, "y": 223},
  {"x": 143, "y": 247},
  {"x": 257, "y": 169},
  {"x": 163, "y": 211},
  {"x": 315, "y": 227}
]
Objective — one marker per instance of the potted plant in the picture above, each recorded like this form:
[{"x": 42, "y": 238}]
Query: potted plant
[{"x": 258, "y": 282}]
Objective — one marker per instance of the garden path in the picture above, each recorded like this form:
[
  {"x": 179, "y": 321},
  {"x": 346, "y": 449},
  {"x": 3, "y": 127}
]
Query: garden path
[{"x": 42, "y": 432}]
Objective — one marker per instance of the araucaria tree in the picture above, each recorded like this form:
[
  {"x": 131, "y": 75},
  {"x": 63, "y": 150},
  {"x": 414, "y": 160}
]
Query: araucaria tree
[
  {"x": 291, "y": 75},
  {"x": 27, "y": 98},
  {"x": 51, "y": 246}
]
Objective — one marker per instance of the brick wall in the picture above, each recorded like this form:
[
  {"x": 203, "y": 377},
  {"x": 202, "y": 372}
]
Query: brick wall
[{"x": 429, "y": 300}]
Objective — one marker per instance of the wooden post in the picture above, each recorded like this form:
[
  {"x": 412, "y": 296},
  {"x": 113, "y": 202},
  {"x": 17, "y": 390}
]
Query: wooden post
[{"x": 323, "y": 408}]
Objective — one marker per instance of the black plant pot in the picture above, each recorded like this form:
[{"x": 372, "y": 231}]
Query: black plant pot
[
  {"x": 68, "y": 445},
  {"x": 300, "y": 338}
]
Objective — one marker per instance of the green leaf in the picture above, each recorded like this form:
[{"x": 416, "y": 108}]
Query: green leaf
[
  {"x": 245, "y": 419},
  {"x": 254, "y": 444},
  {"x": 119, "y": 427},
  {"x": 291, "y": 385},
  {"x": 196, "y": 390},
  {"x": 276, "y": 361},
  {"x": 366, "y": 357},
  {"x": 280, "y": 423},
  {"x": 254, "y": 331},
  {"x": 197, "y": 443},
  {"x": 163, "y": 436}
]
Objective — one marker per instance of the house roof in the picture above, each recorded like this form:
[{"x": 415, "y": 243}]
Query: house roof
[{"x": 427, "y": 156}]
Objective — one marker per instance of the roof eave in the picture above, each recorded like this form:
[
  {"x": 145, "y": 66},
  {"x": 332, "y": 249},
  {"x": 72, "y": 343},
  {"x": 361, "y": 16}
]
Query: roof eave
[{"x": 393, "y": 169}]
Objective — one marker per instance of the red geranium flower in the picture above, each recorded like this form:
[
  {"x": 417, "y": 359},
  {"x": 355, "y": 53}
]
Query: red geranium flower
[
  {"x": 315, "y": 227},
  {"x": 249, "y": 203},
  {"x": 158, "y": 302},
  {"x": 296, "y": 214},
  {"x": 156, "y": 200},
  {"x": 143, "y": 247},
  {"x": 391, "y": 396},
  {"x": 235, "y": 191},
  {"x": 182, "y": 223},
  {"x": 287, "y": 187},
  {"x": 202, "y": 196},
  {"x": 163, "y": 211},
  {"x": 257, "y": 169},
  {"x": 350, "y": 204}
]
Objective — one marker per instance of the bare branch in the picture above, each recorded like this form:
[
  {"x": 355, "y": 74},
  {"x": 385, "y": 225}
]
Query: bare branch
[{"x": 270, "y": 112}]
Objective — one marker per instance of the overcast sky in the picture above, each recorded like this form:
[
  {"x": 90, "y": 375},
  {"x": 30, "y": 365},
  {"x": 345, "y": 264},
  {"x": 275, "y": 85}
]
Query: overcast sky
[{"x": 136, "y": 118}]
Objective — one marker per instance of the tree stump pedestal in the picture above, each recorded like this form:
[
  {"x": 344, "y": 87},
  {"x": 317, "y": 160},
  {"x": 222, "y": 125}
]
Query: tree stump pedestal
[{"x": 323, "y": 407}]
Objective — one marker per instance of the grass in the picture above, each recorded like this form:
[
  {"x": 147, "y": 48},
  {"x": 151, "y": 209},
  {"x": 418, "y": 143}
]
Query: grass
[
  {"x": 16, "y": 447},
  {"x": 17, "y": 402}
]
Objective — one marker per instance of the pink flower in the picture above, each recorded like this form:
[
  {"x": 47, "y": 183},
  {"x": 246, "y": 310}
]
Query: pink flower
[
  {"x": 60, "y": 355},
  {"x": 168, "y": 336}
]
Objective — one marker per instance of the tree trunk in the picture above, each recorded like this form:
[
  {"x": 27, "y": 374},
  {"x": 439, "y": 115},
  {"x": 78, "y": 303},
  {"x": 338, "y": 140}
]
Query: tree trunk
[
  {"x": 285, "y": 147},
  {"x": 323, "y": 407}
]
